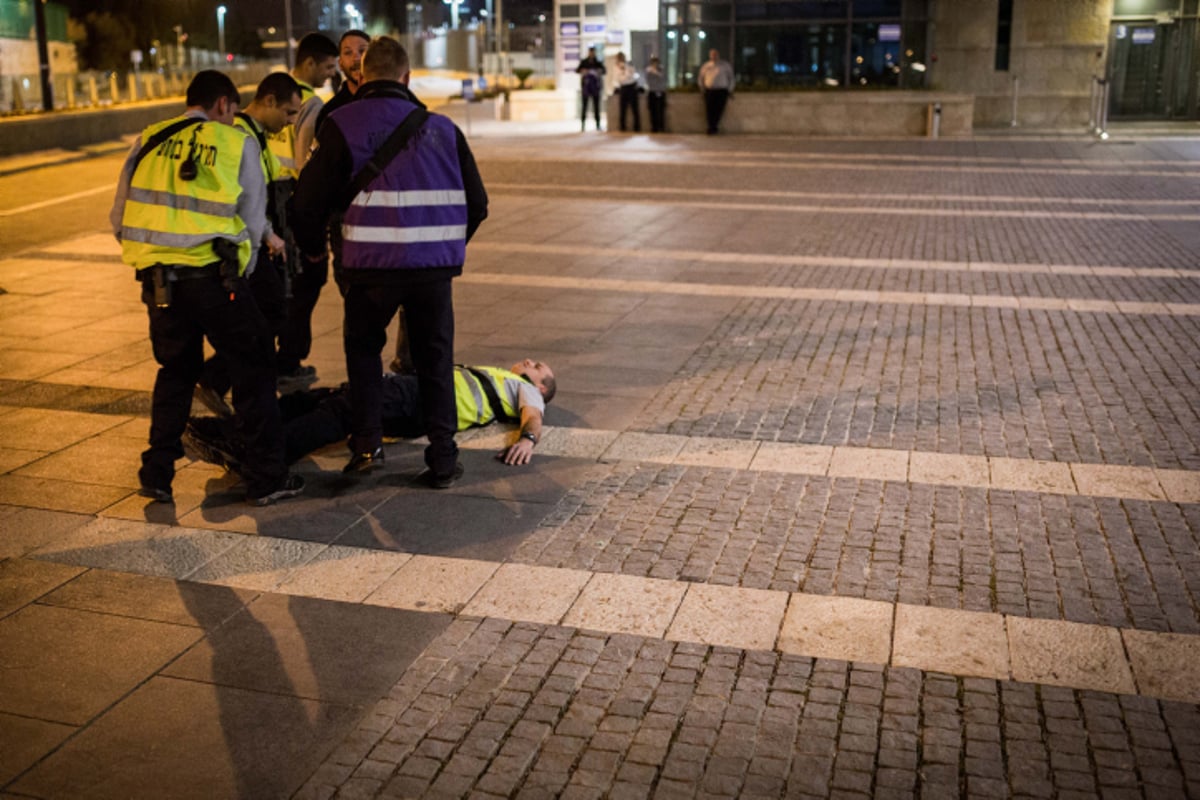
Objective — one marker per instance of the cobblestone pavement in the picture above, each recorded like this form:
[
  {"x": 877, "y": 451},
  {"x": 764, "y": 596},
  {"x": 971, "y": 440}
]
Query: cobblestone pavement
[
  {"x": 495, "y": 709},
  {"x": 874, "y": 472}
]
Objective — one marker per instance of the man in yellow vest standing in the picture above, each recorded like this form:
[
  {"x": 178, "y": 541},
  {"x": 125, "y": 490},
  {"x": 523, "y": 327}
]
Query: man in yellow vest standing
[
  {"x": 275, "y": 105},
  {"x": 316, "y": 62},
  {"x": 190, "y": 211}
]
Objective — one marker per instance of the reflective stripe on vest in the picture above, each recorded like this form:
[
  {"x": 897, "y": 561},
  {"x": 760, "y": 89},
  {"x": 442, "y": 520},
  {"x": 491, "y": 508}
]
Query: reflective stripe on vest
[
  {"x": 473, "y": 407},
  {"x": 406, "y": 234},
  {"x": 168, "y": 220}
]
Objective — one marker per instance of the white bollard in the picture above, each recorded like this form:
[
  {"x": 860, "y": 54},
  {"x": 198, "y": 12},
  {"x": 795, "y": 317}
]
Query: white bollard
[
  {"x": 933, "y": 120},
  {"x": 1016, "y": 91}
]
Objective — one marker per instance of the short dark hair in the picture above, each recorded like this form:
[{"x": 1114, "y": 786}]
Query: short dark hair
[
  {"x": 385, "y": 58},
  {"x": 353, "y": 32},
  {"x": 316, "y": 46},
  {"x": 551, "y": 386},
  {"x": 208, "y": 87},
  {"x": 280, "y": 85}
]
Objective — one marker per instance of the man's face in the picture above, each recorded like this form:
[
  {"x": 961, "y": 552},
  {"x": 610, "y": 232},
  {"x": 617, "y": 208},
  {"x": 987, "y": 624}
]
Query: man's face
[
  {"x": 713, "y": 55},
  {"x": 279, "y": 114},
  {"x": 315, "y": 71},
  {"x": 350, "y": 60},
  {"x": 535, "y": 371},
  {"x": 323, "y": 70}
]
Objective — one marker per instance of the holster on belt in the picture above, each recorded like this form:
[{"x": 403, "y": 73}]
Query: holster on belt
[
  {"x": 227, "y": 252},
  {"x": 162, "y": 285}
]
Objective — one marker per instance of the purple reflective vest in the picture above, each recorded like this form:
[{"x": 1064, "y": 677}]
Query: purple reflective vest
[{"x": 414, "y": 214}]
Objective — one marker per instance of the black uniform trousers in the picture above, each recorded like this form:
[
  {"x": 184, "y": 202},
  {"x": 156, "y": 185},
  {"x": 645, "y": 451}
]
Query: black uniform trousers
[
  {"x": 629, "y": 101},
  {"x": 267, "y": 286},
  {"x": 595, "y": 98},
  {"x": 429, "y": 314},
  {"x": 295, "y": 336},
  {"x": 238, "y": 331},
  {"x": 315, "y": 418},
  {"x": 714, "y": 106}
]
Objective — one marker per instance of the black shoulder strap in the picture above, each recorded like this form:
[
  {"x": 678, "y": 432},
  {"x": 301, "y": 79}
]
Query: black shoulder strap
[
  {"x": 389, "y": 150},
  {"x": 257, "y": 131},
  {"x": 160, "y": 137},
  {"x": 489, "y": 390}
]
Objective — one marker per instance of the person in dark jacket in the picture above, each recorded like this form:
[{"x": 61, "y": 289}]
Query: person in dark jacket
[
  {"x": 591, "y": 85},
  {"x": 404, "y": 240}
]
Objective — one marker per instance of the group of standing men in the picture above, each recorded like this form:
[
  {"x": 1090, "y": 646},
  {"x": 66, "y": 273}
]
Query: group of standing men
[
  {"x": 715, "y": 80},
  {"x": 191, "y": 213}
]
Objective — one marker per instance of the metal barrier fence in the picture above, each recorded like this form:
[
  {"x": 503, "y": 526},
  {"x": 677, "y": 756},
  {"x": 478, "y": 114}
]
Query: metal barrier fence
[{"x": 22, "y": 94}]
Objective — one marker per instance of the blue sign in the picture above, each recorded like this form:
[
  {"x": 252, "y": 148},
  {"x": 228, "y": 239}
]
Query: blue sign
[
  {"x": 594, "y": 27},
  {"x": 889, "y": 33},
  {"x": 1143, "y": 35},
  {"x": 568, "y": 29},
  {"x": 468, "y": 89}
]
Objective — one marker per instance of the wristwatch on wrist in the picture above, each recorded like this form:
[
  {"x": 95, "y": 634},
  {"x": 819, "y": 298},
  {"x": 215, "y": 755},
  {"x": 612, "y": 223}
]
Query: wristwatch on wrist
[{"x": 529, "y": 436}]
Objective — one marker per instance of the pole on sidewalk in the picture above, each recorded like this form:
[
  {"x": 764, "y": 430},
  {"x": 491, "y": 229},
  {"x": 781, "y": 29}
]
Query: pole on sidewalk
[
  {"x": 1016, "y": 91},
  {"x": 1102, "y": 129},
  {"x": 287, "y": 32},
  {"x": 39, "y": 8}
]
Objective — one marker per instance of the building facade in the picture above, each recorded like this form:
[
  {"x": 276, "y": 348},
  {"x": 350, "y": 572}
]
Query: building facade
[{"x": 1030, "y": 62}]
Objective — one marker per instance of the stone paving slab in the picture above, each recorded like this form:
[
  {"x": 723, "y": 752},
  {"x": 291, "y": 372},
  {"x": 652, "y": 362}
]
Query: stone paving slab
[{"x": 931, "y": 638}]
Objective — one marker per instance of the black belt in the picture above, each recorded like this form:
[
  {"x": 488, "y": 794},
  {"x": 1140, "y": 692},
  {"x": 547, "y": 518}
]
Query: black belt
[{"x": 181, "y": 272}]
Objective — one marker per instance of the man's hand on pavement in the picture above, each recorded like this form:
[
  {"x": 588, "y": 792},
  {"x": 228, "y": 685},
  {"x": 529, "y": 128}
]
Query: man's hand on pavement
[{"x": 518, "y": 453}]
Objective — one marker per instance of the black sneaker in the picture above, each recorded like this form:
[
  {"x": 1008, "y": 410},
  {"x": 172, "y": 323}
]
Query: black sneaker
[
  {"x": 213, "y": 401},
  {"x": 292, "y": 485},
  {"x": 364, "y": 462},
  {"x": 157, "y": 495},
  {"x": 201, "y": 441},
  {"x": 435, "y": 481},
  {"x": 300, "y": 378}
]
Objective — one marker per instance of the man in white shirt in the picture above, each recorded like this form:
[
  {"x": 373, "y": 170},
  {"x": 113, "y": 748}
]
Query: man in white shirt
[
  {"x": 716, "y": 84},
  {"x": 628, "y": 89}
]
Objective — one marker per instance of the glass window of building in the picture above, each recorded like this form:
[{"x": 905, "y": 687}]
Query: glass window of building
[{"x": 873, "y": 44}]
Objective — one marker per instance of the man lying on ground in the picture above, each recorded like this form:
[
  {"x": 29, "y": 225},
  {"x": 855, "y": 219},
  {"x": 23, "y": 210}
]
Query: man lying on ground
[{"x": 319, "y": 417}]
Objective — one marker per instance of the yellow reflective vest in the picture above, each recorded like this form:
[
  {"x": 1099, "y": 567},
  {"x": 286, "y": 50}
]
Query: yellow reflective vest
[
  {"x": 283, "y": 144},
  {"x": 272, "y": 168},
  {"x": 473, "y": 406},
  {"x": 168, "y": 220}
]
